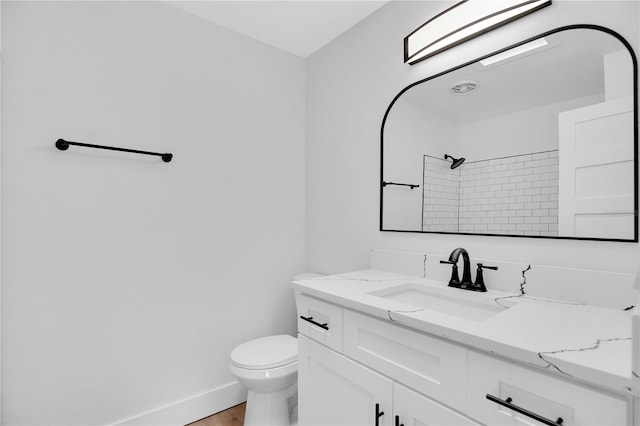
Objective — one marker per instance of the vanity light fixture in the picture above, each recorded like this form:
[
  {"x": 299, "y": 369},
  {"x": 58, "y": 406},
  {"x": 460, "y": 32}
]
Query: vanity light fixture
[
  {"x": 519, "y": 50},
  {"x": 464, "y": 21}
]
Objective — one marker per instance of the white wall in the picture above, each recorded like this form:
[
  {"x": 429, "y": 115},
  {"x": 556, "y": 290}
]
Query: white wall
[
  {"x": 410, "y": 133},
  {"x": 127, "y": 281},
  {"x": 517, "y": 133},
  {"x": 350, "y": 83},
  {"x": 617, "y": 75}
]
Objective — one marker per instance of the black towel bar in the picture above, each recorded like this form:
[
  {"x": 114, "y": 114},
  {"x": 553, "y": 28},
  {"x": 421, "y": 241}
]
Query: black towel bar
[
  {"x": 401, "y": 184},
  {"x": 63, "y": 145}
]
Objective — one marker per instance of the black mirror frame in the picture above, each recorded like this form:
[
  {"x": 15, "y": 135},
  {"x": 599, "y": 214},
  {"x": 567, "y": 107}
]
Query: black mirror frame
[{"x": 635, "y": 136}]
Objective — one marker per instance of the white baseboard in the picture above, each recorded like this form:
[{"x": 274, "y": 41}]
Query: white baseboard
[{"x": 190, "y": 409}]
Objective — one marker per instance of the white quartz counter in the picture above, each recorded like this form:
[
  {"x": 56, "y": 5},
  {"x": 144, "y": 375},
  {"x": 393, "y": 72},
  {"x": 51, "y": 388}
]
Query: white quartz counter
[{"x": 586, "y": 343}]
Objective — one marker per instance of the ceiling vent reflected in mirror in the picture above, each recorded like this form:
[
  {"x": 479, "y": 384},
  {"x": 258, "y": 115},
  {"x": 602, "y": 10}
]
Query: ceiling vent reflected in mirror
[
  {"x": 463, "y": 87},
  {"x": 464, "y": 21}
]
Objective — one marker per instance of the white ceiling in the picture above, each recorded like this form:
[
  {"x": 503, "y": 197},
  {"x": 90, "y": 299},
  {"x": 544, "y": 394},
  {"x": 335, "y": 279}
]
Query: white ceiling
[{"x": 300, "y": 27}]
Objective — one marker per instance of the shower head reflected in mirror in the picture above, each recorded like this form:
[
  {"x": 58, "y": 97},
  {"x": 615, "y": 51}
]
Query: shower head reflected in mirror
[{"x": 456, "y": 161}]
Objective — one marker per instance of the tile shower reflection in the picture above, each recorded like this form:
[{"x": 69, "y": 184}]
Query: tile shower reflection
[{"x": 499, "y": 196}]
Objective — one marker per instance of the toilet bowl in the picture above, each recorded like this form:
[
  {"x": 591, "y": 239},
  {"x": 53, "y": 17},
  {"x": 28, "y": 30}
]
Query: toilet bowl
[{"x": 268, "y": 368}]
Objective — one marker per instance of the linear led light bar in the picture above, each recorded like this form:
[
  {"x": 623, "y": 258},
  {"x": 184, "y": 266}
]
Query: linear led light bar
[
  {"x": 520, "y": 50},
  {"x": 463, "y": 21}
]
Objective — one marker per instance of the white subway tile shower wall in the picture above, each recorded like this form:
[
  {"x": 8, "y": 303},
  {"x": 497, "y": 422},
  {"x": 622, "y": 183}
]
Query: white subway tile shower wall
[
  {"x": 510, "y": 195},
  {"x": 441, "y": 196}
]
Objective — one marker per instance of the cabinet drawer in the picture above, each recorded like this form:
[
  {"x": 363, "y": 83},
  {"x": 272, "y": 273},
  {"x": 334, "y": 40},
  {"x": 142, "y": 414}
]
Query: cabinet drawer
[
  {"x": 429, "y": 365},
  {"x": 538, "y": 393},
  {"x": 323, "y": 321}
]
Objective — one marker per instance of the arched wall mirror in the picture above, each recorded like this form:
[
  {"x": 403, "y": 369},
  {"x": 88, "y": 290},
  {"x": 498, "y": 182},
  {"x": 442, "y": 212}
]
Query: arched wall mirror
[{"x": 536, "y": 140}]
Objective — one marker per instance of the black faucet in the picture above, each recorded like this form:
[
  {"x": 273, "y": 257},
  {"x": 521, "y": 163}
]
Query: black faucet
[
  {"x": 466, "y": 283},
  {"x": 466, "y": 272}
]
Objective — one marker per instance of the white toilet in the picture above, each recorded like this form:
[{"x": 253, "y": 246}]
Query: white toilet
[{"x": 268, "y": 367}]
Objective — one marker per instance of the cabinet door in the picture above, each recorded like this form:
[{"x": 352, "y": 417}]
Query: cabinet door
[
  {"x": 333, "y": 390},
  {"x": 414, "y": 409}
]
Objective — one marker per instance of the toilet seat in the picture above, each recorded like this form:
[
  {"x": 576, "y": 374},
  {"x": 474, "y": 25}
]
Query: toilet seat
[
  {"x": 258, "y": 379},
  {"x": 266, "y": 353}
]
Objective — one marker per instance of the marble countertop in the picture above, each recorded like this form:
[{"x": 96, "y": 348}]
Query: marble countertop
[{"x": 586, "y": 343}]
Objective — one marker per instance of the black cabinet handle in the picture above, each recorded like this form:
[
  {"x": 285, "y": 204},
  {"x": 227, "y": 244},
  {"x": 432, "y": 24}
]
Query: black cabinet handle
[
  {"x": 310, "y": 319},
  {"x": 507, "y": 403},
  {"x": 378, "y": 414},
  {"x": 398, "y": 421}
]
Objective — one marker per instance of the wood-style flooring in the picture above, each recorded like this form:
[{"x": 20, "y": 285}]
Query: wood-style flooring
[{"x": 234, "y": 416}]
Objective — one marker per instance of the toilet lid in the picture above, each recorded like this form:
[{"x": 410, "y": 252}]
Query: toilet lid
[{"x": 266, "y": 352}]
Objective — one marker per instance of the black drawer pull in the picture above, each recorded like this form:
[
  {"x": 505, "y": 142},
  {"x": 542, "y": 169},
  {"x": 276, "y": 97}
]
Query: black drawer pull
[
  {"x": 310, "y": 319},
  {"x": 398, "y": 421},
  {"x": 507, "y": 403},
  {"x": 378, "y": 414}
]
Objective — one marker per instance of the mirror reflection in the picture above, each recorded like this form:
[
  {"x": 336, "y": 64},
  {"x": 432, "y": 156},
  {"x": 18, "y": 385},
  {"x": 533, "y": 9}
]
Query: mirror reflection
[{"x": 538, "y": 140}]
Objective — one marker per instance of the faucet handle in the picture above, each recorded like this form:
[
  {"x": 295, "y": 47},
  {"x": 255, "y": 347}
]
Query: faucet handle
[
  {"x": 454, "y": 281},
  {"x": 479, "y": 284},
  {"x": 481, "y": 266}
]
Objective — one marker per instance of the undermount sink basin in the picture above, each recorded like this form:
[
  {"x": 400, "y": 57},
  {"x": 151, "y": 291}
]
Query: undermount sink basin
[{"x": 450, "y": 301}]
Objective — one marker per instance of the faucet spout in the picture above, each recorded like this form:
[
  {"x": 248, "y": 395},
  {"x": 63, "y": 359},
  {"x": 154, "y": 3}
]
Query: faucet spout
[{"x": 466, "y": 272}]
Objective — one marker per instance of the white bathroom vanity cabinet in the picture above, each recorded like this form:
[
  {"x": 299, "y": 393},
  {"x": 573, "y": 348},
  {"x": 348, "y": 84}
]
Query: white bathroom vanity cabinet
[{"x": 367, "y": 360}]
